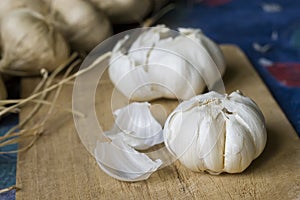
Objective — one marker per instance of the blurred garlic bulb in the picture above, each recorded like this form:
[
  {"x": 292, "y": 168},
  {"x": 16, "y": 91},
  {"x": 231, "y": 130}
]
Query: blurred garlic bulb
[
  {"x": 216, "y": 133},
  {"x": 124, "y": 11},
  {"x": 136, "y": 126},
  {"x": 7, "y": 6},
  {"x": 80, "y": 22},
  {"x": 122, "y": 162},
  {"x": 29, "y": 44},
  {"x": 3, "y": 93},
  {"x": 161, "y": 63}
]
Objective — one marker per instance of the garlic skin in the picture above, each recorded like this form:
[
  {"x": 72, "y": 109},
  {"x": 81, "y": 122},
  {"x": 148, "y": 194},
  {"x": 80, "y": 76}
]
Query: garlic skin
[
  {"x": 7, "y": 6},
  {"x": 189, "y": 59},
  {"x": 216, "y": 133},
  {"x": 136, "y": 126},
  {"x": 124, "y": 11},
  {"x": 81, "y": 24},
  {"x": 3, "y": 93},
  {"x": 122, "y": 162},
  {"x": 29, "y": 44}
]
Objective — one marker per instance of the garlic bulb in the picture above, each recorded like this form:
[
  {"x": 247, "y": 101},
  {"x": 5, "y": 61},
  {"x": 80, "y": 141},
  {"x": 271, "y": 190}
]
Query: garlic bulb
[
  {"x": 3, "y": 93},
  {"x": 122, "y": 162},
  {"x": 216, "y": 133},
  {"x": 29, "y": 44},
  {"x": 7, "y": 6},
  {"x": 124, "y": 11},
  {"x": 159, "y": 65},
  {"x": 81, "y": 23},
  {"x": 136, "y": 126}
]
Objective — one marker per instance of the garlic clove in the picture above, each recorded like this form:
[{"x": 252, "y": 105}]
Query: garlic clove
[
  {"x": 122, "y": 162},
  {"x": 251, "y": 118},
  {"x": 136, "y": 126},
  {"x": 239, "y": 147},
  {"x": 211, "y": 136}
]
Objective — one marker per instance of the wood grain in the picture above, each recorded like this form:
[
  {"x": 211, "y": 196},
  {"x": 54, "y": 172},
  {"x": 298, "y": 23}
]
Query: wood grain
[{"x": 59, "y": 167}]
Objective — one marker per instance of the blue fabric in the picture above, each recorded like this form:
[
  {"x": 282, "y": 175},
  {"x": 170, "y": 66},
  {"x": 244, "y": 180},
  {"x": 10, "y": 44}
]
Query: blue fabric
[
  {"x": 271, "y": 22},
  {"x": 8, "y": 161}
]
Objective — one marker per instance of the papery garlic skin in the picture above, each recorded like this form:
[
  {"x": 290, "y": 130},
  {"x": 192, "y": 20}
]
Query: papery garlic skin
[
  {"x": 161, "y": 65},
  {"x": 124, "y": 11},
  {"x": 122, "y": 162},
  {"x": 82, "y": 25},
  {"x": 136, "y": 126},
  {"x": 30, "y": 43},
  {"x": 216, "y": 133}
]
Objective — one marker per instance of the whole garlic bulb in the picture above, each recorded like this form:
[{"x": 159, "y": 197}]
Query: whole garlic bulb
[
  {"x": 124, "y": 11},
  {"x": 81, "y": 24},
  {"x": 29, "y": 44},
  {"x": 216, "y": 133},
  {"x": 161, "y": 65}
]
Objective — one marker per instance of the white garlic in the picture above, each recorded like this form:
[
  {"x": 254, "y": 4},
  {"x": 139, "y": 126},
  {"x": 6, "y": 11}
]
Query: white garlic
[
  {"x": 161, "y": 65},
  {"x": 136, "y": 126},
  {"x": 30, "y": 43},
  {"x": 81, "y": 24},
  {"x": 216, "y": 133},
  {"x": 124, "y": 11},
  {"x": 122, "y": 162}
]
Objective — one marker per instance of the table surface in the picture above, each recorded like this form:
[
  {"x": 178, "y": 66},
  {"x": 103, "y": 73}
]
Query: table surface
[{"x": 59, "y": 167}]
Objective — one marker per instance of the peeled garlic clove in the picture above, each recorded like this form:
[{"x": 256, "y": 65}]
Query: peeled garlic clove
[
  {"x": 124, "y": 11},
  {"x": 82, "y": 25},
  {"x": 212, "y": 48},
  {"x": 122, "y": 162},
  {"x": 136, "y": 126},
  {"x": 30, "y": 44},
  {"x": 216, "y": 133},
  {"x": 191, "y": 60},
  {"x": 3, "y": 93}
]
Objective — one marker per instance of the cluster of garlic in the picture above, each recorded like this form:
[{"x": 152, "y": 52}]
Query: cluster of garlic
[
  {"x": 209, "y": 132},
  {"x": 37, "y": 34},
  {"x": 216, "y": 133}
]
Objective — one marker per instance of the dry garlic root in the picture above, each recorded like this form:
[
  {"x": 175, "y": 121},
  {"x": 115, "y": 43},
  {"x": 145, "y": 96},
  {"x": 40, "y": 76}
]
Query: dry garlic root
[
  {"x": 3, "y": 93},
  {"x": 124, "y": 11},
  {"x": 161, "y": 65},
  {"x": 81, "y": 24},
  {"x": 216, "y": 133},
  {"x": 30, "y": 43}
]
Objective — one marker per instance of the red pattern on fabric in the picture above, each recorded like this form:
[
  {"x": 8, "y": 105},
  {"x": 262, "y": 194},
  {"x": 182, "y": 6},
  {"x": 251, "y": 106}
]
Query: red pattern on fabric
[{"x": 286, "y": 73}]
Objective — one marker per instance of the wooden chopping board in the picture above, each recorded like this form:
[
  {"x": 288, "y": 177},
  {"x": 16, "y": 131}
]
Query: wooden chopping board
[{"x": 59, "y": 167}]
